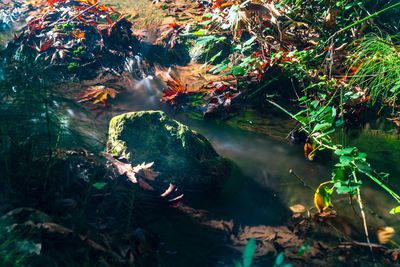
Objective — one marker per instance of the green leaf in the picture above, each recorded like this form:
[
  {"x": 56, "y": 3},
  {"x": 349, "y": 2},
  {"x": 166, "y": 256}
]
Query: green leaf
[
  {"x": 361, "y": 156},
  {"x": 395, "y": 210},
  {"x": 215, "y": 57},
  {"x": 363, "y": 166},
  {"x": 315, "y": 103},
  {"x": 250, "y": 41},
  {"x": 220, "y": 67},
  {"x": 199, "y": 33},
  {"x": 321, "y": 126},
  {"x": 339, "y": 123},
  {"x": 279, "y": 259},
  {"x": 248, "y": 252},
  {"x": 346, "y": 160},
  {"x": 207, "y": 39},
  {"x": 237, "y": 71},
  {"x": 345, "y": 151},
  {"x": 302, "y": 250},
  {"x": 338, "y": 174},
  {"x": 99, "y": 185},
  {"x": 347, "y": 187}
]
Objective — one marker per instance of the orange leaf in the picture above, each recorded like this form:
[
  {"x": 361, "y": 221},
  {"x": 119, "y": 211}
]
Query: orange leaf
[
  {"x": 78, "y": 34},
  {"x": 98, "y": 94},
  {"x": 309, "y": 151}
]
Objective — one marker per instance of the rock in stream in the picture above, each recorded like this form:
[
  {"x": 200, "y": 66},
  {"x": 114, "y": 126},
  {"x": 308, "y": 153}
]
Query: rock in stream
[{"x": 183, "y": 156}]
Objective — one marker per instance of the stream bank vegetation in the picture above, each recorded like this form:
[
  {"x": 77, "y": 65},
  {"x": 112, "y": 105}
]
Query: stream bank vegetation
[
  {"x": 341, "y": 60},
  {"x": 328, "y": 65}
]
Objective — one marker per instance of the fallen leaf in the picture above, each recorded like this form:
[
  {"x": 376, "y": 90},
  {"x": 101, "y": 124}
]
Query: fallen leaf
[
  {"x": 169, "y": 190},
  {"x": 137, "y": 174},
  {"x": 385, "y": 234},
  {"x": 144, "y": 171},
  {"x": 78, "y": 34},
  {"x": 98, "y": 94},
  {"x": 174, "y": 90},
  {"x": 298, "y": 208},
  {"x": 395, "y": 120}
]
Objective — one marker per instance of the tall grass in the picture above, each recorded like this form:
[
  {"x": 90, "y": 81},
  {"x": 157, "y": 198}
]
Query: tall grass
[{"x": 376, "y": 65}]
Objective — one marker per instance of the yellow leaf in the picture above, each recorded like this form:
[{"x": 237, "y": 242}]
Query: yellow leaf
[
  {"x": 385, "y": 234},
  {"x": 322, "y": 197}
]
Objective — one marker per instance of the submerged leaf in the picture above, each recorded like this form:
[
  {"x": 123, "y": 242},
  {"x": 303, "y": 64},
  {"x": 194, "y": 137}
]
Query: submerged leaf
[{"x": 98, "y": 94}]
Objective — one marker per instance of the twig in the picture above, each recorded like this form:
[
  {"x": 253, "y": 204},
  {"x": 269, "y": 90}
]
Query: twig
[
  {"x": 364, "y": 219},
  {"x": 304, "y": 182},
  {"x": 83, "y": 12}
]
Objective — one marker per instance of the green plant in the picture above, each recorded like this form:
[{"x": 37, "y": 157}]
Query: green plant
[
  {"x": 17, "y": 246},
  {"x": 375, "y": 63},
  {"x": 319, "y": 121},
  {"x": 279, "y": 261},
  {"x": 248, "y": 254},
  {"x": 73, "y": 66}
]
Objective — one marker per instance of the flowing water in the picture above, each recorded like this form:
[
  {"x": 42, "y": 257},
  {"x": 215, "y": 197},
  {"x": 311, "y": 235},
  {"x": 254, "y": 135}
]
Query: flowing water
[{"x": 269, "y": 189}]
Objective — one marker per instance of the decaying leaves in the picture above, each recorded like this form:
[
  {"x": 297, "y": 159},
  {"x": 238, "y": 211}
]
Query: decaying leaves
[
  {"x": 137, "y": 174},
  {"x": 98, "y": 94},
  {"x": 385, "y": 234},
  {"x": 174, "y": 90}
]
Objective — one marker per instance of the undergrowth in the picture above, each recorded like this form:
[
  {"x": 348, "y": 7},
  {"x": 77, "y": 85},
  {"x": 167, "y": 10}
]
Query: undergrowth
[{"x": 375, "y": 64}]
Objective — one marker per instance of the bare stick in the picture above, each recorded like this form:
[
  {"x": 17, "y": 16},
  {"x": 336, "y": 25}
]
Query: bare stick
[
  {"x": 364, "y": 219},
  {"x": 83, "y": 12}
]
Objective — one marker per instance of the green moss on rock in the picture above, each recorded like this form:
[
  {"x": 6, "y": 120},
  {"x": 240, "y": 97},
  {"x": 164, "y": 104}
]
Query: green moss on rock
[{"x": 183, "y": 156}]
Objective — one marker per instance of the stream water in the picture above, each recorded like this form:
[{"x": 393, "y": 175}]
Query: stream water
[{"x": 268, "y": 189}]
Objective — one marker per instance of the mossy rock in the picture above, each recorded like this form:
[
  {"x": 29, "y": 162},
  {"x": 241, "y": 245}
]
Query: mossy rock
[{"x": 181, "y": 155}]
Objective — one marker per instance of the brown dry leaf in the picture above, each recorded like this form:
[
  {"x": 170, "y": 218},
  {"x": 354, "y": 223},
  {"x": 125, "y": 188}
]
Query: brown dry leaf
[
  {"x": 395, "y": 120},
  {"x": 122, "y": 168},
  {"x": 169, "y": 190},
  {"x": 330, "y": 19},
  {"x": 98, "y": 94},
  {"x": 174, "y": 90},
  {"x": 130, "y": 13},
  {"x": 298, "y": 208},
  {"x": 385, "y": 234},
  {"x": 144, "y": 171},
  {"x": 135, "y": 174}
]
